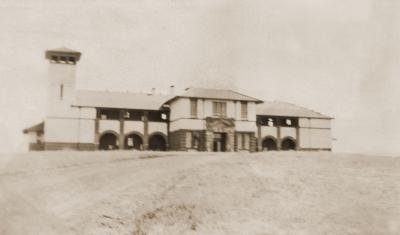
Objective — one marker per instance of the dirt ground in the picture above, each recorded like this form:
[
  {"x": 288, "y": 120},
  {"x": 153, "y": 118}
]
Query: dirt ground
[{"x": 140, "y": 193}]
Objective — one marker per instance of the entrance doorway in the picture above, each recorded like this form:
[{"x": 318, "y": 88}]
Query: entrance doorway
[{"x": 219, "y": 143}]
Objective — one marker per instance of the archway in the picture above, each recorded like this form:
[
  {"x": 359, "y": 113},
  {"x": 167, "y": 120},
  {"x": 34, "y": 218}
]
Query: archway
[
  {"x": 288, "y": 144},
  {"x": 133, "y": 141},
  {"x": 157, "y": 142},
  {"x": 269, "y": 144},
  {"x": 108, "y": 141}
]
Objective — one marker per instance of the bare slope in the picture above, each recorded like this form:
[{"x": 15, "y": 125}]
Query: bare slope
[{"x": 186, "y": 193}]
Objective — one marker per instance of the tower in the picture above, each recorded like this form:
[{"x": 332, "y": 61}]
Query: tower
[{"x": 61, "y": 82}]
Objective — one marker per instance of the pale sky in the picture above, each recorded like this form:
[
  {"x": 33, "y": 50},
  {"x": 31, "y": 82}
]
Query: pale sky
[{"x": 339, "y": 57}]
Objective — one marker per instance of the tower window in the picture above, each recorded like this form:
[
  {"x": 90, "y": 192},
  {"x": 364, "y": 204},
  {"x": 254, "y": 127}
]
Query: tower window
[
  {"x": 61, "y": 91},
  {"x": 54, "y": 58},
  {"x": 63, "y": 59},
  {"x": 71, "y": 60}
]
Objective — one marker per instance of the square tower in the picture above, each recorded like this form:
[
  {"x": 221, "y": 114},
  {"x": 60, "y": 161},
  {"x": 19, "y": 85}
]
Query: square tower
[{"x": 61, "y": 82}]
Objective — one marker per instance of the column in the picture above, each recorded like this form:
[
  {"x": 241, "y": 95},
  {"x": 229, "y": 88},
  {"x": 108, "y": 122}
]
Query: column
[
  {"x": 96, "y": 129},
  {"x": 278, "y": 137},
  {"x": 121, "y": 130},
  {"x": 146, "y": 130}
]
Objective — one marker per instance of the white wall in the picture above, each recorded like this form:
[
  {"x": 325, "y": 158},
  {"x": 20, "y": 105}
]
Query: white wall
[
  {"x": 108, "y": 125},
  {"x": 315, "y": 138},
  {"x": 130, "y": 126},
  {"x": 288, "y": 131},
  {"x": 61, "y": 74},
  {"x": 180, "y": 108},
  {"x": 187, "y": 124},
  {"x": 245, "y": 126},
  {"x": 315, "y": 133},
  {"x": 158, "y": 127},
  {"x": 66, "y": 130},
  {"x": 269, "y": 131},
  {"x": 315, "y": 122}
]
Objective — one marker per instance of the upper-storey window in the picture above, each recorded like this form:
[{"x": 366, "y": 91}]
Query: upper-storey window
[
  {"x": 158, "y": 116},
  {"x": 289, "y": 122},
  {"x": 277, "y": 121},
  {"x": 193, "y": 108},
  {"x": 133, "y": 115},
  {"x": 243, "y": 110},
  {"x": 110, "y": 114},
  {"x": 219, "y": 109}
]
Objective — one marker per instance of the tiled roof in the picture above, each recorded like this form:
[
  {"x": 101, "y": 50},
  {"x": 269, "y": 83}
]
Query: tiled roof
[
  {"x": 122, "y": 100},
  {"x": 35, "y": 128},
  {"x": 64, "y": 49},
  {"x": 274, "y": 108},
  {"x": 216, "y": 94}
]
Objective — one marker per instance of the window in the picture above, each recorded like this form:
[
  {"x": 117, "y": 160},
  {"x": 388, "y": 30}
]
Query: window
[
  {"x": 270, "y": 122},
  {"x": 63, "y": 59},
  {"x": 54, "y": 58},
  {"x": 243, "y": 105},
  {"x": 192, "y": 140},
  {"x": 157, "y": 116},
  {"x": 109, "y": 114},
  {"x": 188, "y": 140},
  {"x": 61, "y": 91},
  {"x": 193, "y": 108},
  {"x": 71, "y": 60},
  {"x": 133, "y": 115},
  {"x": 219, "y": 109},
  {"x": 243, "y": 141}
]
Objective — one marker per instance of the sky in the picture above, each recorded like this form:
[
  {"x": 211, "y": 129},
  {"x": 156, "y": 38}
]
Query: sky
[{"x": 339, "y": 57}]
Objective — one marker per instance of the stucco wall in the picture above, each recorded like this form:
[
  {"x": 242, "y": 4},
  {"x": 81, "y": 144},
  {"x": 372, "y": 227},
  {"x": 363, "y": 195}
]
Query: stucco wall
[
  {"x": 180, "y": 108},
  {"x": 130, "y": 126},
  {"x": 245, "y": 126},
  {"x": 314, "y": 123},
  {"x": 315, "y": 138},
  {"x": 69, "y": 130},
  {"x": 61, "y": 74},
  {"x": 315, "y": 133},
  {"x": 269, "y": 131},
  {"x": 187, "y": 124},
  {"x": 109, "y": 125},
  {"x": 158, "y": 127},
  {"x": 288, "y": 131}
]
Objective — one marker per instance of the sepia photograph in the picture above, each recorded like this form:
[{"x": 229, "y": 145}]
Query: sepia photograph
[{"x": 151, "y": 117}]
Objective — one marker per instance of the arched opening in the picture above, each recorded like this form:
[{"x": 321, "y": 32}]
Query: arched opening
[
  {"x": 108, "y": 141},
  {"x": 288, "y": 144},
  {"x": 133, "y": 141},
  {"x": 269, "y": 144},
  {"x": 157, "y": 143}
]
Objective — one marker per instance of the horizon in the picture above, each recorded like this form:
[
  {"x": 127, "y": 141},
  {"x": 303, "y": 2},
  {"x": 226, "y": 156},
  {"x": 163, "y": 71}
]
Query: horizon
[{"x": 339, "y": 59}]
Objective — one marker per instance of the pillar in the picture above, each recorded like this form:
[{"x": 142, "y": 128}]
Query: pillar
[{"x": 146, "y": 130}]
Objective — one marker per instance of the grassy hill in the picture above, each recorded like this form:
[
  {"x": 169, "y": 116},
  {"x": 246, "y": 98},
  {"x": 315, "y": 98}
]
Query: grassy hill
[{"x": 199, "y": 193}]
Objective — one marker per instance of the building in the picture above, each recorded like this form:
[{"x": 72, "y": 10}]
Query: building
[{"x": 198, "y": 120}]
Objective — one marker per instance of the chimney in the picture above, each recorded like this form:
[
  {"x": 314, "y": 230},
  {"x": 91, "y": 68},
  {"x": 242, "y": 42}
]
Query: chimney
[
  {"x": 172, "y": 90},
  {"x": 153, "y": 91}
]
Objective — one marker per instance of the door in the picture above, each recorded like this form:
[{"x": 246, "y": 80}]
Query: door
[{"x": 219, "y": 143}]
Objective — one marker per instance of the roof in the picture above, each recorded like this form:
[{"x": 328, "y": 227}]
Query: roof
[
  {"x": 122, "y": 100},
  {"x": 207, "y": 93},
  {"x": 63, "y": 51},
  {"x": 275, "y": 108},
  {"x": 35, "y": 128}
]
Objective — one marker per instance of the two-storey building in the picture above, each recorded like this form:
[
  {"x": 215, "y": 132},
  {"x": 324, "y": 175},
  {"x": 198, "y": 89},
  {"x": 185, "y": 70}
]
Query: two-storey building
[{"x": 200, "y": 119}]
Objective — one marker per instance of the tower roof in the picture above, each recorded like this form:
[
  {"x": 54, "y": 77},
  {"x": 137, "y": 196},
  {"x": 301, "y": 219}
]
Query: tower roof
[{"x": 63, "y": 51}]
